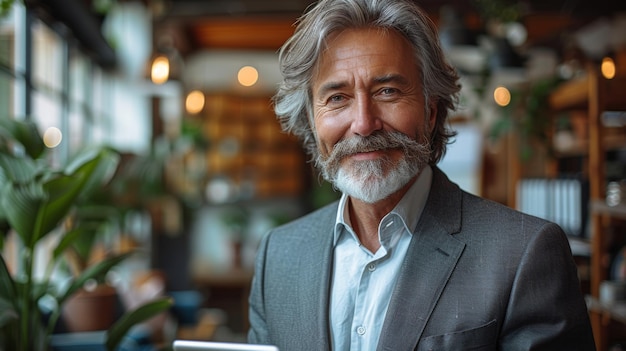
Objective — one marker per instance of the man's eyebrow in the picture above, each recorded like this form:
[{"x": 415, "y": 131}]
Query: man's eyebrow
[
  {"x": 391, "y": 78},
  {"x": 330, "y": 86}
]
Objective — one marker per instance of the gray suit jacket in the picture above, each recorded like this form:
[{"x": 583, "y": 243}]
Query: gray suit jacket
[{"x": 477, "y": 276}]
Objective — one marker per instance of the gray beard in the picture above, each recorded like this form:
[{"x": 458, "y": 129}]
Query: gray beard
[{"x": 374, "y": 180}]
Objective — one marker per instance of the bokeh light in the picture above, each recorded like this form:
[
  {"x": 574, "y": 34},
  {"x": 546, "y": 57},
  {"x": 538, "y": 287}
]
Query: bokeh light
[
  {"x": 247, "y": 76},
  {"x": 502, "y": 96},
  {"x": 52, "y": 137},
  {"x": 160, "y": 71},
  {"x": 194, "y": 102},
  {"x": 608, "y": 68}
]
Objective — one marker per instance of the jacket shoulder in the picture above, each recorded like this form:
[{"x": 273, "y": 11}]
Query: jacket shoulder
[{"x": 314, "y": 220}]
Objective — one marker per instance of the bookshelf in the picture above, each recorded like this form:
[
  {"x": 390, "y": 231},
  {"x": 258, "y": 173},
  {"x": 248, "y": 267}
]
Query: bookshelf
[
  {"x": 246, "y": 147},
  {"x": 593, "y": 95}
]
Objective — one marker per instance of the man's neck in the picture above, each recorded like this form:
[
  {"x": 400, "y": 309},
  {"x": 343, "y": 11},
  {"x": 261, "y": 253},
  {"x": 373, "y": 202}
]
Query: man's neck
[{"x": 365, "y": 217}]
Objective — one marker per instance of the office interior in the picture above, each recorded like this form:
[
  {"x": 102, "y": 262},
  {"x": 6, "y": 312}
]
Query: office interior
[{"x": 181, "y": 90}]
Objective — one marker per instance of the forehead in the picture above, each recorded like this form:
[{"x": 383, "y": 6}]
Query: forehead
[{"x": 366, "y": 50}]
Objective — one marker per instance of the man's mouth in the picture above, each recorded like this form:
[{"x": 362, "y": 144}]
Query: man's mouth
[{"x": 364, "y": 155}]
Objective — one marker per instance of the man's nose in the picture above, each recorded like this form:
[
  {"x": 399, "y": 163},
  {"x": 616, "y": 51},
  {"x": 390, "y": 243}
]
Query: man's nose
[{"x": 366, "y": 118}]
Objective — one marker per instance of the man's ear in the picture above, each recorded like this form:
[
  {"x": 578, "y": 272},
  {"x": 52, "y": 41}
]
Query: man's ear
[
  {"x": 309, "y": 117},
  {"x": 432, "y": 118}
]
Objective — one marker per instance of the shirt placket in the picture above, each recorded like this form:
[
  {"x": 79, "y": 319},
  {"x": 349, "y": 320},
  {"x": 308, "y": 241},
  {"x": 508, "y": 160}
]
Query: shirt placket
[{"x": 360, "y": 328}]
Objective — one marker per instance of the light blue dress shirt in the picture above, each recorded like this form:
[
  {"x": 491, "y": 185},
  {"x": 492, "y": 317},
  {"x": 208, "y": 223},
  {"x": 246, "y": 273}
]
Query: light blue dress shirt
[{"x": 362, "y": 280}]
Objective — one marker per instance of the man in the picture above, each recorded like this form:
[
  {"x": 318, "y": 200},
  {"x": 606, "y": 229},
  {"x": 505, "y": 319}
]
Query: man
[{"x": 405, "y": 260}]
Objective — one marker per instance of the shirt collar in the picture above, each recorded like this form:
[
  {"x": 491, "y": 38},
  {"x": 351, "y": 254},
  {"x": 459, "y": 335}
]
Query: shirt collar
[{"x": 409, "y": 209}]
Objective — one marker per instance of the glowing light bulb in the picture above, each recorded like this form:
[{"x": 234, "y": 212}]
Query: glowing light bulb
[
  {"x": 608, "y": 68},
  {"x": 247, "y": 76},
  {"x": 194, "y": 102},
  {"x": 160, "y": 71},
  {"x": 502, "y": 96}
]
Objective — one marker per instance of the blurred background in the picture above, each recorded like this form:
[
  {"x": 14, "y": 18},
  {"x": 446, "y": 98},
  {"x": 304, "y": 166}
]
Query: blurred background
[{"x": 182, "y": 89}]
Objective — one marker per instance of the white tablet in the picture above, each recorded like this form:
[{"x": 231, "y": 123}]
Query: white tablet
[{"x": 187, "y": 345}]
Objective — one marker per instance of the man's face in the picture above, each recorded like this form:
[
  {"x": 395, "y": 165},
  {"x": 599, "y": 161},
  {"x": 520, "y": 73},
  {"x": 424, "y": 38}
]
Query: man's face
[{"x": 369, "y": 112}]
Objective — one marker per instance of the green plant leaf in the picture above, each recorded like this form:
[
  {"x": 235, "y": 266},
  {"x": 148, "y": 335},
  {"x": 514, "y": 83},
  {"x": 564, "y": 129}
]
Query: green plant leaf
[
  {"x": 92, "y": 272},
  {"x": 8, "y": 313},
  {"x": 68, "y": 239},
  {"x": 117, "y": 332},
  {"x": 35, "y": 292},
  {"x": 39, "y": 289},
  {"x": 17, "y": 169},
  {"x": 81, "y": 239},
  {"x": 7, "y": 285},
  {"x": 98, "y": 165},
  {"x": 35, "y": 208},
  {"x": 13, "y": 170},
  {"x": 26, "y": 133},
  {"x": 88, "y": 171},
  {"x": 61, "y": 191},
  {"x": 21, "y": 205}
]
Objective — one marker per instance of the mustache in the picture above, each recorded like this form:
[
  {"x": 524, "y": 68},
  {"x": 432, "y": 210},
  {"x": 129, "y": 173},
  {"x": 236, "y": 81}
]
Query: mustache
[{"x": 380, "y": 140}]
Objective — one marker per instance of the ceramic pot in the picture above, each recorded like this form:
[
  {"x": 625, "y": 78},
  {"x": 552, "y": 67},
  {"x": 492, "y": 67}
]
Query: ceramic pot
[{"x": 91, "y": 310}]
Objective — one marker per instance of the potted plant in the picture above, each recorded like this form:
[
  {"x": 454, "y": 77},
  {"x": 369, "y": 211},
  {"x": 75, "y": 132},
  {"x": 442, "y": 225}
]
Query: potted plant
[
  {"x": 36, "y": 199},
  {"x": 93, "y": 307}
]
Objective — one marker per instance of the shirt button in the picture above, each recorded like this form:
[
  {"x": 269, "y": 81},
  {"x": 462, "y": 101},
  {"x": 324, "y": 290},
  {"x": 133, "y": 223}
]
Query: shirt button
[
  {"x": 360, "y": 330},
  {"x": 371, "y": 267}
]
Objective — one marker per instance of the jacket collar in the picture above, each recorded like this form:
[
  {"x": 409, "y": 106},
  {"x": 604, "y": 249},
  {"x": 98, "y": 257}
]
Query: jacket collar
[{"x": 431, "y": 258}]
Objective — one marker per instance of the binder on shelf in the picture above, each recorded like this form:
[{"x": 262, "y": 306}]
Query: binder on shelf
[{"x": 560, "y": 200}]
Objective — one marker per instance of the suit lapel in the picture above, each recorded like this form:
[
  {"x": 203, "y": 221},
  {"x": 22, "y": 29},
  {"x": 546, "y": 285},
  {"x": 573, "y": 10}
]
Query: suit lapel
[
  {"x": 432, "y": 256},
  {"x": 313, "y": 279}
]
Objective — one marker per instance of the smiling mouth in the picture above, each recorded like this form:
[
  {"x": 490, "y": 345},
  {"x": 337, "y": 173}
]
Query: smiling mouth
[
  {"x": 371, "y": 150},
  {"x": 366, "y": 151},
  {"x": 368, "y": 154}
]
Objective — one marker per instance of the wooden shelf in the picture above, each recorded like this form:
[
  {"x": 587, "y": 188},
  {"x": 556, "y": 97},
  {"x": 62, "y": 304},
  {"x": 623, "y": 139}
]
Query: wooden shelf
[
  {"x": 575, "y": 94},
  {"x": 601, "y": 208},
  {"x": 615, "y": 310},
  {"x": 581, "y": 147},
  {"x": 579, "y": 246},
  {"x": 570, "y": 95},
  {"x": 590, "y": 96}
]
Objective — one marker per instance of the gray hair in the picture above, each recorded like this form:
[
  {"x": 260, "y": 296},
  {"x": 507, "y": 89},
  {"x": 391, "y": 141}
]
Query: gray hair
[{"x": 299, "y": 55}]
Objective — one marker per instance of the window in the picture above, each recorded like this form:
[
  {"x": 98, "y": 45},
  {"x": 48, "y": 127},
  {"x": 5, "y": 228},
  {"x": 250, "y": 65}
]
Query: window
[
  {"x": 46, "y": 76},
  {"x": 7, "y": 50}
]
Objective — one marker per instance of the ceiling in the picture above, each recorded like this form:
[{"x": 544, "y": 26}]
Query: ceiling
[
  {"x": 196, "y": 25},
  {"x": 195, "y": 8}
]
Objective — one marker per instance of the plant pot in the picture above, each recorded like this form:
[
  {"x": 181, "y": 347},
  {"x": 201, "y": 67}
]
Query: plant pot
[{"x": 91, "y": 310}]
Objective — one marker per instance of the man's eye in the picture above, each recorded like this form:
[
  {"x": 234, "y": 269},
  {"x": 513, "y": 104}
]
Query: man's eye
[
  {"x": 336, "y": 98},
  {"x": 388, "y": 91}
]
